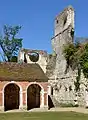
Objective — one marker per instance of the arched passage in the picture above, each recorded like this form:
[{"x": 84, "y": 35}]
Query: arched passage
[
  {"x": 33, "y": 96},
  {"x": 50, "y": 102},
  {"x": 11, "y": 96}
]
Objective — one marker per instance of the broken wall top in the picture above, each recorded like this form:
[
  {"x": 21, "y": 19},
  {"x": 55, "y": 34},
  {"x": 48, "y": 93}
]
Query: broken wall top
[{"x": 64, "y": 20}]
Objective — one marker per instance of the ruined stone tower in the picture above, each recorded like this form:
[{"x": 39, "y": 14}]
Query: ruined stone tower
[
  {"x": 62, "y": 82},
  {"x": 63, "y": 33},
  {"x": 61, "y": 87}
]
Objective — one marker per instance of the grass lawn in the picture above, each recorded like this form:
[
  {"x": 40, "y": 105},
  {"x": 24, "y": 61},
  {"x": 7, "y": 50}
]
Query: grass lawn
[{"x": 43, "y": 116}]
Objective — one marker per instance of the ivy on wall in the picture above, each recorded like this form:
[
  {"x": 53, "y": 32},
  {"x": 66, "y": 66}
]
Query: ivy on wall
[{"x": 77, "y": 58}]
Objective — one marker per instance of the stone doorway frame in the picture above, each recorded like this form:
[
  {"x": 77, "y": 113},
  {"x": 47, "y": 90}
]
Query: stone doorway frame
[
  {"x": 20, "y": 94},
  {"x": 41, "y": 94}
]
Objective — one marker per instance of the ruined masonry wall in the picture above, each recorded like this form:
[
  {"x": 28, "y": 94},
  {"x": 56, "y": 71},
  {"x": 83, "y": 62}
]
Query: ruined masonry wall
[{"x": 62, "y": 82}]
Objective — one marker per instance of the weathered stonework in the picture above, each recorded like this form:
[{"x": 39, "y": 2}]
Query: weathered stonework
[
  {"x": 51, "y": 63},
  {"x": 25, "y": 54},
  {"x": 63, "y": 30},
  {"x": 61, "y": 80}
]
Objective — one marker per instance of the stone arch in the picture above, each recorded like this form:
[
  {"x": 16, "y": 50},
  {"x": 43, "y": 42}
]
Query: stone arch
[
  {"x": 34, "y": 56},
  {"x": 12, "y": 97},
  {"x": 35, "y": 96}
]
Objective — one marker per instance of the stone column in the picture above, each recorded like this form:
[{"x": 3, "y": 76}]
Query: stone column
[
  {"x": 49, "y": 90},
  {"x": 2, "y": 98},
  {"x": 24, "y": 100},
  {"x": 42, "y": 98},
  {"x": 46, "y": 98},
  {"x": 21, "y": 99}
]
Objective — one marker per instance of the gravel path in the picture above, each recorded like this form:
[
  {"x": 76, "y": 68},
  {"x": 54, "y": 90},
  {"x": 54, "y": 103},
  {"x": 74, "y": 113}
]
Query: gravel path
[
  {"x": 73, "y": 109},
  {"x": 80, "y": 110}
]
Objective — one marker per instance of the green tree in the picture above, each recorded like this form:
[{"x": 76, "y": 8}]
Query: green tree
[
  {"x": 84, "y": 60},
  {"x": 9, "y": 43},
  {"x": 73, "y": 54}
]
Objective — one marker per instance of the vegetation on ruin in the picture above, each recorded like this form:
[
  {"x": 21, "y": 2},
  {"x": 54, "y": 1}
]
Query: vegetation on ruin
[
  {"x": 10, "y": 43},
  {"x": 77, "y": 58},
  {"x": 64, "y": 105}
]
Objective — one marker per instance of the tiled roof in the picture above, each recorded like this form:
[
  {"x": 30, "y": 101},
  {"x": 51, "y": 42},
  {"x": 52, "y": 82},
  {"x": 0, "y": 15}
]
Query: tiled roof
[{"x": 21, "y": 72}]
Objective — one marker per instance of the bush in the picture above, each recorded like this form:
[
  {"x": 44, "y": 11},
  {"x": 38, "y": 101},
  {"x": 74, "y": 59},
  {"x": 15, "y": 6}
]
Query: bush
[{"x": 68, "y": 105}]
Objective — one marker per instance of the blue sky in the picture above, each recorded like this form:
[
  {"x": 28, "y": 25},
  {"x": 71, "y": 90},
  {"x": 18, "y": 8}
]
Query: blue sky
[{"x": 37, "y": 19}]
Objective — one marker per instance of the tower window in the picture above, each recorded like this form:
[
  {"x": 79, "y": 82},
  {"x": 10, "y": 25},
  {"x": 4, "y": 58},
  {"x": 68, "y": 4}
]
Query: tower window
[
  {"x": 57, "y": 21},
  {"x": 65, "y": 20}
]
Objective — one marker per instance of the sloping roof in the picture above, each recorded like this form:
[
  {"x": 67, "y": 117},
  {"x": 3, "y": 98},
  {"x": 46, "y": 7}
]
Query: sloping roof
[{"x": 21, "y": 72}]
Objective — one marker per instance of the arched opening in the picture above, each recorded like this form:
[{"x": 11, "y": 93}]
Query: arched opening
[
  {"x": 50, "y": 97},
  {"x": 34, "y": 56},
  {"x": 51, "y": 90},
  {"x": 33, "y": 96},
  {"x": 11, "y": 97},
  {"x": 65, "y": 20}
]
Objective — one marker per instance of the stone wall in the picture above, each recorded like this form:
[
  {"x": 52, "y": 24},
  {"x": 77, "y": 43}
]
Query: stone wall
[
  {"x": 54, "y": 65},
  {"x": 51, "y": 63},
  {"x": 64, "y": 19},
  {"x": 24, "y": 56},
  {"x": 62, "y": 81},
  {"x": 63, "y": 35}
]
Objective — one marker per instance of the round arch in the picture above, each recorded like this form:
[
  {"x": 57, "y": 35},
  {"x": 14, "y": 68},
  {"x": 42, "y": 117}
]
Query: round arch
[
  {"x": 35, "y": 95},
  {"x": 12, "y": 96},
  {"x": 35, "y": 83}
]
